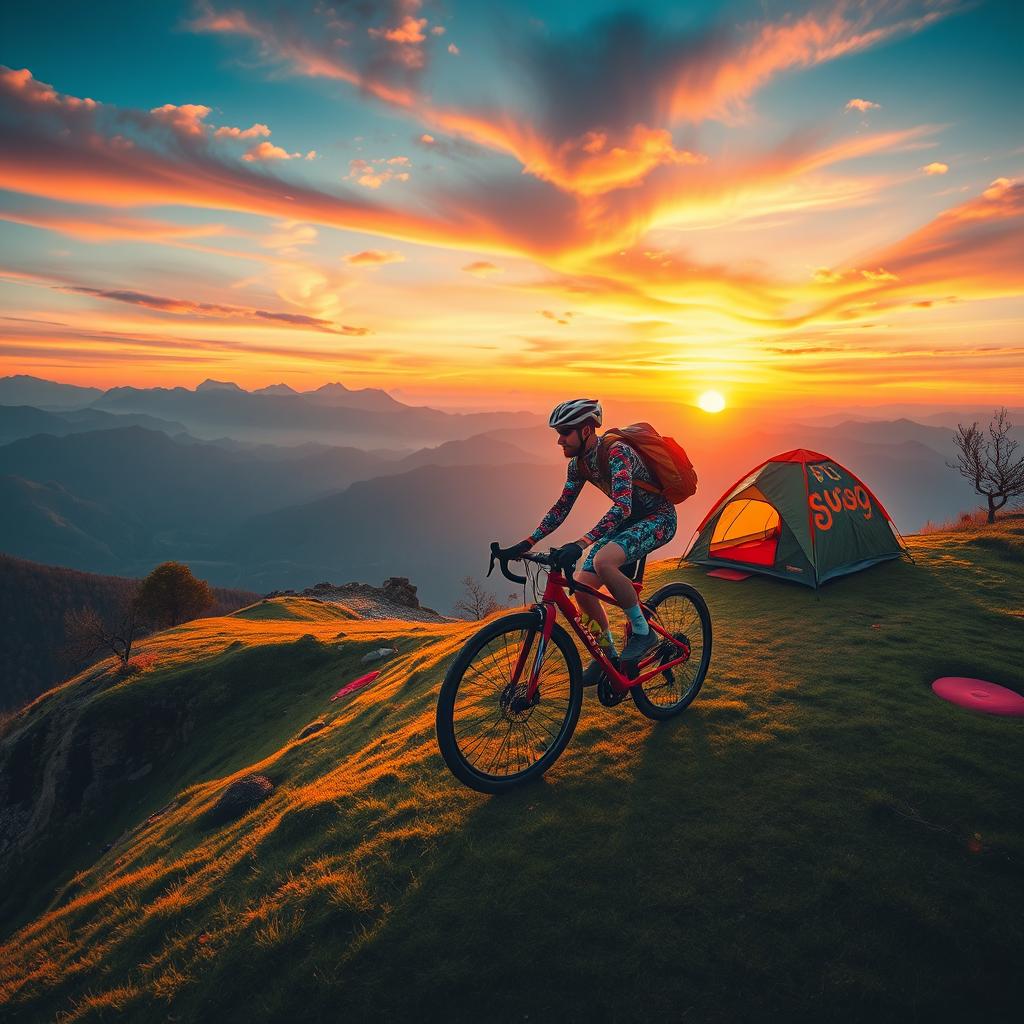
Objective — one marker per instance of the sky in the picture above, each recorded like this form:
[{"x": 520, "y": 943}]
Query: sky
[{"x": 498, "y": 205}]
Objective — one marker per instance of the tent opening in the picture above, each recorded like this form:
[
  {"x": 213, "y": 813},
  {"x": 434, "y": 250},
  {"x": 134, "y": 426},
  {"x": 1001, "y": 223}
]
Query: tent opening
[{"x": 747, "y": 530}]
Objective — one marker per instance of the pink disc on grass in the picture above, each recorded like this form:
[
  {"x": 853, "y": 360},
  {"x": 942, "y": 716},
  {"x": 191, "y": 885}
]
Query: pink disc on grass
[
  {"x": 356, "y": 684},
  {"x": 729, "y": 574},
  {"x": 979, "y": 695}
]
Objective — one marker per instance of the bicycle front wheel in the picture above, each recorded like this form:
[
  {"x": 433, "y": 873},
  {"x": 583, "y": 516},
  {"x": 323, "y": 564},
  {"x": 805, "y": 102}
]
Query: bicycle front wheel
[
  {"x": 681, "y": 611},
  {"x": 490, "y": 735}
]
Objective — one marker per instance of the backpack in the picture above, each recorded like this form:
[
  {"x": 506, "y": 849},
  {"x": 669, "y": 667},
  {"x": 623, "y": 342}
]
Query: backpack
[{"x": 663, "y": 456}]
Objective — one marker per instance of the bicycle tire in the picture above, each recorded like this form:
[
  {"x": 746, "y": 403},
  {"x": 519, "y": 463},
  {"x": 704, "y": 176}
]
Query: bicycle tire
[
  {"x": 654, "y": 698},
  {"x": 457, "y": 760}
]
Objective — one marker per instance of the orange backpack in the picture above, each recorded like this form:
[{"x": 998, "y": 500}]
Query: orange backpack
[{"x": 663, "y": 456}]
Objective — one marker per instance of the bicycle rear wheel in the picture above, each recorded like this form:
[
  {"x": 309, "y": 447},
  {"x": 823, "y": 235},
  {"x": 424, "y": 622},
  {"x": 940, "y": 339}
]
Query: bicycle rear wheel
[
  {"x": 681, "y": 611},
  {"x": 490, "y": 736}
]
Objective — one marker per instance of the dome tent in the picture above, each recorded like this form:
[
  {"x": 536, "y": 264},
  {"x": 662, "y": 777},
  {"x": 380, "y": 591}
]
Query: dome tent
[{"x": 801, "y": 516}]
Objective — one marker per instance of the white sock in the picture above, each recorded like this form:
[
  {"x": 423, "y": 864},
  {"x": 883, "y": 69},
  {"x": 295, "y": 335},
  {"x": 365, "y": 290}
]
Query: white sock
[{"x": 637, "y": 620}]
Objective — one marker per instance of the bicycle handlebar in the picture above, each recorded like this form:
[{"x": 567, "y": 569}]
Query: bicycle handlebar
[{"x": 503, "y": 560}]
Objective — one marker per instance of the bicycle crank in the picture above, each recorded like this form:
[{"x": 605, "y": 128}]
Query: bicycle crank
[{"x": 607, "y": 696}]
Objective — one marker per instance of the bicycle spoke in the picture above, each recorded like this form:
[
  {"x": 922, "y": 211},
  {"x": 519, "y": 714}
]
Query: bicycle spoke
[
  {"x": 680, "y": 617},
  {"x": 495, "y": 730}
]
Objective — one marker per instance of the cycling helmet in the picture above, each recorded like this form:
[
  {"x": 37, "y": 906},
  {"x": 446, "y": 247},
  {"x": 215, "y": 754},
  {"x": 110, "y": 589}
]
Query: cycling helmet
[{"x": 577, "y": 412}]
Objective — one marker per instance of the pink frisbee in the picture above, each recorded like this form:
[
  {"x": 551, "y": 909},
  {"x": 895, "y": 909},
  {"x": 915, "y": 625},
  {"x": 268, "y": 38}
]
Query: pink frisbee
[
  {"x": 729, "y": 574},
  {"x": 356, "y": 684},
  {"x": 980, "y": 695}
]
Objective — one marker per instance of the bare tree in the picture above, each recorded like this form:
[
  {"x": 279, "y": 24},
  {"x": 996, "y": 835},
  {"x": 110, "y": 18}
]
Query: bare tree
[
  {"x": 476, "y": 603},
  {"x": 986, "y": 459},
  {"x": 88, "y": 634}
]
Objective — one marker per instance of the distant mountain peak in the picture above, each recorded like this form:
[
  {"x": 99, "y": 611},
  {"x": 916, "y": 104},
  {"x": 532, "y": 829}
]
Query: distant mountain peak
[
  {"x": 276, "y": 389},
  {"x": 218, "y": 385}
]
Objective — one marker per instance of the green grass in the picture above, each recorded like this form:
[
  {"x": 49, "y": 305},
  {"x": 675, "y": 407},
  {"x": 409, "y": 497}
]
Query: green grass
[{"x": 817, "y": 838}]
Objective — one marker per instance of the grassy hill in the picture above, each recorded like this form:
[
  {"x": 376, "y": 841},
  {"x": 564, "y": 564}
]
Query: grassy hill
[
  {"x": 34, "y": 599},
  {"x": 817, "y": 838}
]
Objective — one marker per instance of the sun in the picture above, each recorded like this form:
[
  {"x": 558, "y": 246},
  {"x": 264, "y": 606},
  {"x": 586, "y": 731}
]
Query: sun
[{"x": 711, "y": 401}]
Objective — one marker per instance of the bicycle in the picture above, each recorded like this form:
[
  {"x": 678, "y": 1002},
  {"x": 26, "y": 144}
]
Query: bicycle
[{"x": 504, "y": 717}]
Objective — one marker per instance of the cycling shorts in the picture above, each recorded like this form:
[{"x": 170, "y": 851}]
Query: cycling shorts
[{"x": 639, "y": 537}]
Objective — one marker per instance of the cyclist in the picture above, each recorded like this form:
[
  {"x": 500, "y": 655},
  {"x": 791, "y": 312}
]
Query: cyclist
[{"x": 637, "y": 522}]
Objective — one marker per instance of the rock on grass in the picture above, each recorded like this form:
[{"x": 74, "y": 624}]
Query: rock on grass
[{"x": 240, "y": 798}]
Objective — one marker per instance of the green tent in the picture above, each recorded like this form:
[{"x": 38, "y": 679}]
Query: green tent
[{"x": 801, "y": 516}]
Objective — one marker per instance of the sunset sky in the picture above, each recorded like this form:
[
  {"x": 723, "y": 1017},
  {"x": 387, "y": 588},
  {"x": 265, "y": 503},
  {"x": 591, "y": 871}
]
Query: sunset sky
[{"x": 499, "y": 204}]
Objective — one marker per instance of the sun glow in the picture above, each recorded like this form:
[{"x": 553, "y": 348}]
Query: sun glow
[{"x": 711, "y": 401}]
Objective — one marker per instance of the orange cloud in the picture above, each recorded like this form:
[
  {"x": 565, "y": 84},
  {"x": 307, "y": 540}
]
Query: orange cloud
[
  {"x": 374, "y": 258},
  {"x": 187, "y": 307},
  {"x": 734, "y": 72},
  {"x": 33, "y": 93},
  {"x": 253, "y": 132},
  {"x": 186, "y": 119},
  {"x": 374, "y": 173},
  {"x": 935, "y": 168},
  {"x": 329, "y": 49},
  {"x": 973, "y": 248},
  {"x": 268, "y": 151},
  {"x": 971, "y": 251},
  {"x": 97, "y": 228},
  {"x": 409, "y": 31},
  {"x": 73, "y": 160},
  {"x": 184, "y": 307},
  {"x": 482, "y": 268},
  {"x": 550, "y": 315},
  {"x": 862, "y": 105},
  {"x": 823, "y": 275},
  {"x": 609, "y": 119}
]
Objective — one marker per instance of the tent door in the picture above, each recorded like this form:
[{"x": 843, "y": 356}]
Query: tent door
[{"x": 747, "y": 530}]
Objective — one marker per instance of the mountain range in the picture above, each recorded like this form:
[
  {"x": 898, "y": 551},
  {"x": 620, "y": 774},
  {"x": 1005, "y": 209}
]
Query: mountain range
[
  {"x": 190, "y": 475},
  {"x": 333, "y": 413}
]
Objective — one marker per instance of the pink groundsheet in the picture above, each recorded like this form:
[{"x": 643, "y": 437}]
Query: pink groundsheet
[
  {"x": 979, "y": 695},
  {"x": 356, "y": 684},
  {"x": 729, "y": 574}
]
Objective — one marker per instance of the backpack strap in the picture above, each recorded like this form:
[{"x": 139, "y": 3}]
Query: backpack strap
[{"x": 604, "y": 456}]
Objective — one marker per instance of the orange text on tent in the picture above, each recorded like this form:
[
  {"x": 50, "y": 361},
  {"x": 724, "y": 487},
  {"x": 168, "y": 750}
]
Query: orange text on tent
[{"x": 838, "y": 500}]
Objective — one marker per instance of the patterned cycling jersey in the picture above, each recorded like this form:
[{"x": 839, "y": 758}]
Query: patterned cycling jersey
[{"x": 629, "y": 503}]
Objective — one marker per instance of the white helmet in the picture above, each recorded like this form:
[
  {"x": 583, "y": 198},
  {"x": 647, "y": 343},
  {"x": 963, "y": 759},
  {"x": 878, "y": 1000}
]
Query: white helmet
[{"x": 577, "y": 412}]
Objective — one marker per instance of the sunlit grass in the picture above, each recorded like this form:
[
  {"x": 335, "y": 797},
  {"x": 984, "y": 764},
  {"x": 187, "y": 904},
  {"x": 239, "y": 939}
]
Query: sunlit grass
[{"x": 817, "y": 812}]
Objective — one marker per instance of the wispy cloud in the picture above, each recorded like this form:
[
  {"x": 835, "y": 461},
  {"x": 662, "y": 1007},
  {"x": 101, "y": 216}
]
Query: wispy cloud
[
  {"x": 862, "y": 105},
  {"x": 936, "y": 167},
  {"x": 482, "y": 268},
  {"x": 606, "y": 97},
  {"x": 187, "y": 307},
  {"x": 374, "y": 258},
  {"x": 184, "y": 307},
  {"x": 101, "y": 227}
]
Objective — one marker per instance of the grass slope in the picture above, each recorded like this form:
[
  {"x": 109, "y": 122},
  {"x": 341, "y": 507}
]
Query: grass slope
[{"x": 818, "y": 837}]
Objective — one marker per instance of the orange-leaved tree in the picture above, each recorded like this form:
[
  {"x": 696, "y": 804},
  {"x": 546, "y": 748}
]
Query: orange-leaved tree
[{"x": 170, "y": 595}]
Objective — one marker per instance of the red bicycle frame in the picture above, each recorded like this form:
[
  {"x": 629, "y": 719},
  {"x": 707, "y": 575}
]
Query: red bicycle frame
[{"x": 555, "y": 596}]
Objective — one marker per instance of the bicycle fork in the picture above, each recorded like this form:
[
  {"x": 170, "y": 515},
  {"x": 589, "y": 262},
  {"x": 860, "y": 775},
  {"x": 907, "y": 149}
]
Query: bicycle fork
[{"x": 547, "y": 616}]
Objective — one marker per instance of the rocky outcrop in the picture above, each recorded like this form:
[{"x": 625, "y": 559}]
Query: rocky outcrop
[
  {"x": 395, "y": 599},
  {"x": 399, "y": 590}
]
